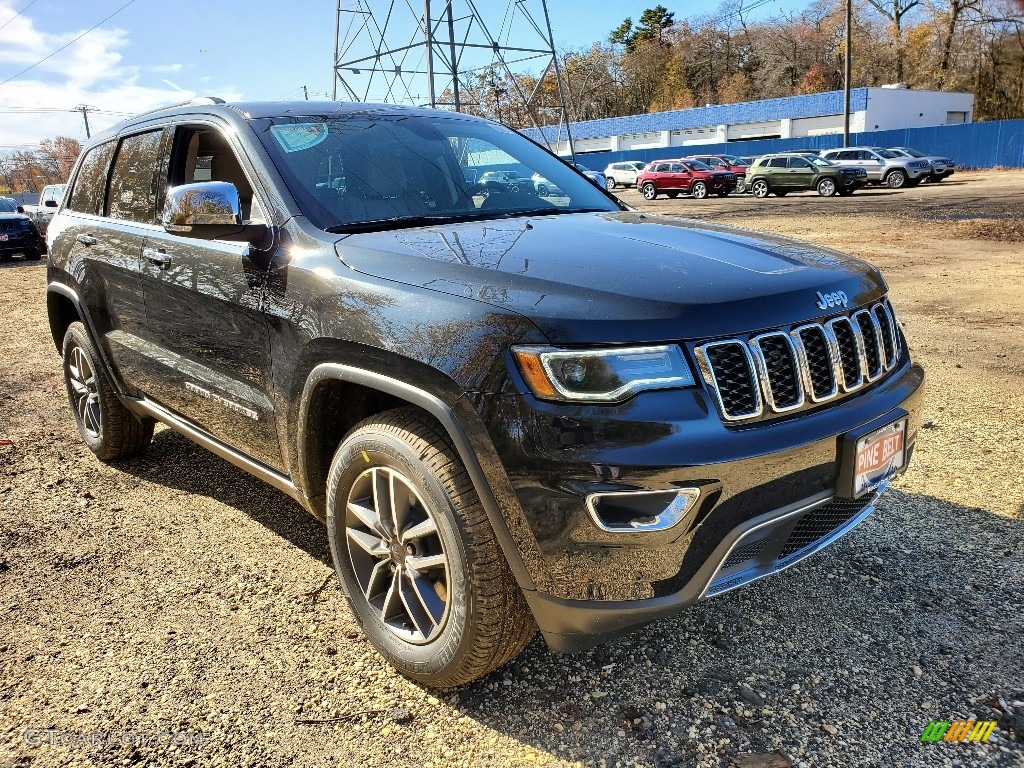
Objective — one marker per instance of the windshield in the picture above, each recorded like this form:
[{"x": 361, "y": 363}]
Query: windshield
[
  {"x": 911, "y": 152},
  {"x": 733, "y": 160},
  {"x": 638, "y": 165},
  {"x": 360, "y": 172},
  {"x": 886, "y": 154},
  {"x": 819, "y": 161},
  {"x": 6, "y": 206}
]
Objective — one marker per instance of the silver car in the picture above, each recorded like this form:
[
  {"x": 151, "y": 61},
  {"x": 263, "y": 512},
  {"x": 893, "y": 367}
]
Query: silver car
[
  {"x": 942, "y": 167},
  {"x": 882, "y": 165},
  {"x": 623, "y": 172}
]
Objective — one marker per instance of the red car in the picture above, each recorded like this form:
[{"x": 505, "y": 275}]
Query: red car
[
  {"x": 692, "y": 176},
  {"x": 727, "y": 163}
]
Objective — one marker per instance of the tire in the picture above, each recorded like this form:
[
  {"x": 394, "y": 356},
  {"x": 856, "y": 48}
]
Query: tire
[
  {"x": 649, "y": 191},
  {"x": 543, "y": 190},
  {"x": 457, "y": 613},
  {"x": 699, "y": 190},
  {"x": 896, "y": 179},
  {"x": 759, "y": 188},
  {"x": 610, "y": 182},
  {"x": 32, "y": 255},
  {"x": 741, "y": 187},
  {"x": 673, "y": 195},
  {"x": 937, "y": 179},
  {"x": 109, "y": 429},
  {"x": 844, "y": 192},
  {"x": 826, "y": 187}
]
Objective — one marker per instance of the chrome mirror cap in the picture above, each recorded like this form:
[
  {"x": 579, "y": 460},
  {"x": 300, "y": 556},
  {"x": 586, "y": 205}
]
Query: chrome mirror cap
[{"x": 203, "y": 204}]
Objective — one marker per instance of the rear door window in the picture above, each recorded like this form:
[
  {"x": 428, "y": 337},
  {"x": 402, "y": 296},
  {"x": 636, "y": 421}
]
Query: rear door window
[
  {"x": 91, "y": 181},
  {"x": 132, "y": 195},
  {"x": 777, "y": 162}
]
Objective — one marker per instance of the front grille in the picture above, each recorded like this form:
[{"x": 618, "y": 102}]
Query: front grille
[
  {"x": 789, "y": 368},
  {"x": 821, "y": 522},
  {"x": 10, "y": 226},
  {"x": 744, "y": 554}
]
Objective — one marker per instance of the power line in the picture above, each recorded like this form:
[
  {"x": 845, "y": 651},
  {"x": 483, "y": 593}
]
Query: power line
[
  {"x": 18, "y": 14},
  {"x": 67, "y": 45}
]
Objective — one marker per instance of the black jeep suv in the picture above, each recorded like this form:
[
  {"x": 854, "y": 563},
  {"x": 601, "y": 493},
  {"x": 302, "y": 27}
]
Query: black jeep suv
[{"x": 510, "y": 411}]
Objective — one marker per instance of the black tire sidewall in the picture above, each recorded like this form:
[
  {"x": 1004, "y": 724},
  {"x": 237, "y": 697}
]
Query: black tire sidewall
[
  {"x": 649, "y": 191},
  {"x": 444, "y": 653},
  {"x": 757, "y": 187},
  {"x": 700, "y": 190}
]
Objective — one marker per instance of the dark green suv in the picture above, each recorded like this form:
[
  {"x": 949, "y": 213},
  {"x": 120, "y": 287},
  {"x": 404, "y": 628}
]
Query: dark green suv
[{"x": 786, "y": 173}]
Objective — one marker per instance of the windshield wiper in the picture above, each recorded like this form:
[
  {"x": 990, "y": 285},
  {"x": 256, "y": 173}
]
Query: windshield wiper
[{"x": 383, "y": 225}]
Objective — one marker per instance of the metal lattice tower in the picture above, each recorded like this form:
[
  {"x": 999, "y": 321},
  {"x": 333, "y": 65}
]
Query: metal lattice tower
[{"x": 438, "y": 53}]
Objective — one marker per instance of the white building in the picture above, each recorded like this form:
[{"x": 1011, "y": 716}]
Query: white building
[{"x": 871, "y": 109}]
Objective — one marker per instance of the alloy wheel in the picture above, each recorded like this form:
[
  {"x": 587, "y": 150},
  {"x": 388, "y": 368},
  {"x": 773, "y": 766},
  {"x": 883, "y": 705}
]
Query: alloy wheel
[
  {"x": 700, "y": 190},
  {"x": 84, "y": 391},
  {"x": 397, "y": 554},
  {"x": 826, "y": 188},
  {"x": 760, "y": 189}
]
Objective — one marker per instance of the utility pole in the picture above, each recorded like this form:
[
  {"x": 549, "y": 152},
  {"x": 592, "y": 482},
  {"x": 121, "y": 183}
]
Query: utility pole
[
  {"x": 85, "y": 110},
  {"x": 848, "y": 73},
  {"x": 305, "y": 90}
]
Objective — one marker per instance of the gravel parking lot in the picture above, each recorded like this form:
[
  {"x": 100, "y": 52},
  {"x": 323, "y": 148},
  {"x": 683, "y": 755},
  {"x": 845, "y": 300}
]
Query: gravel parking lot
[{"x": 189, "y": 612}]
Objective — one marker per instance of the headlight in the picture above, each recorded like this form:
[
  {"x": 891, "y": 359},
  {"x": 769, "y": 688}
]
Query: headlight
[{"x": 601, "y": 375}]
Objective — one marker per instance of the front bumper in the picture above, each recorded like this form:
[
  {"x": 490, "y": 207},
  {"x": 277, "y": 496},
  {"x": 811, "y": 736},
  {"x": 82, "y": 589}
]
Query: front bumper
[
  {"x": 20, "y": 242},
  {"x": 768, "y": 478}
]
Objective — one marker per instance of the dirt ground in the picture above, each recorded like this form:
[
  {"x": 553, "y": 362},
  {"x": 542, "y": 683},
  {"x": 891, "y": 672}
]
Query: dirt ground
[{"x": 173, "y": 593}]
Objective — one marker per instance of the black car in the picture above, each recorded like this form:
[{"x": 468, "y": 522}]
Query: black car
[
  {"x": 510, "y": 411},
  {"x": 18, "y": 234}
]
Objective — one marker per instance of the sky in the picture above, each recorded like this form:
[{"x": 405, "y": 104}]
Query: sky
[{"x": 153, "y": 52}]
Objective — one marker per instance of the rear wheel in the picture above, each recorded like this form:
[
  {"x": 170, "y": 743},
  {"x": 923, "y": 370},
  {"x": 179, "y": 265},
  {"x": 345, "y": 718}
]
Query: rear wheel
[
  {"x": 610, "y": 181},
  {"x": 32, "y": 255},
  {"x": 826, "y": 187},
  {"x": 699, "y": 190},
  {"x": 109, "y": 429},
  {"x": 649, "y": 191},
  {"x": 416, "y": 554},
  {"x": 760, "y": 188}
]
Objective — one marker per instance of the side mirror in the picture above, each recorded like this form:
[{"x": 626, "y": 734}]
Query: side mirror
[
  {"x": 50, "y": 203},
  {"x": 21, "y": 209},
  {"x": 210, "y": 210}
]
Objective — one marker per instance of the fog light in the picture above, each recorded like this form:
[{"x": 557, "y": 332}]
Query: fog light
[{"x": 641, "y": 511}]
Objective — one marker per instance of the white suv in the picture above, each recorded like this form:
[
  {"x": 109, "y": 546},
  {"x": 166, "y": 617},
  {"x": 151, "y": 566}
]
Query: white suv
[
  {"x": 623, "y": 173},
  {"x": 882, "y": 165}
]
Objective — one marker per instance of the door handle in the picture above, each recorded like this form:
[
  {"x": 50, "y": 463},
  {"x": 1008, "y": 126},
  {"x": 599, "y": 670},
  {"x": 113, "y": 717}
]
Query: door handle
[
  {"x": 157, "y": 257},
  {"x": 85, "y": 239}
]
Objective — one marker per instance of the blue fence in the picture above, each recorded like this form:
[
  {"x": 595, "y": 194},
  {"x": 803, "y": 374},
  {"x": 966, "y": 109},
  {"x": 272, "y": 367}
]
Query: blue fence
[{"x": 974, "y": 145}]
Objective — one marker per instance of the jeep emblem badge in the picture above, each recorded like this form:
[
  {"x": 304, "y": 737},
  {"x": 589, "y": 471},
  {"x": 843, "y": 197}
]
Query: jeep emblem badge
[{"x": 834, "y": 299}]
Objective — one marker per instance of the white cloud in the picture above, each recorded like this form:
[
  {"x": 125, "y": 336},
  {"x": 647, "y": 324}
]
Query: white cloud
[{"x": 91, "y": 71}]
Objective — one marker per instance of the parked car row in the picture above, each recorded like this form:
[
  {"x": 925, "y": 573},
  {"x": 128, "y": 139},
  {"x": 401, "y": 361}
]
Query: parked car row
[
  {"x": 18, "y": 233},
  {"x": 839, "y": 171}
]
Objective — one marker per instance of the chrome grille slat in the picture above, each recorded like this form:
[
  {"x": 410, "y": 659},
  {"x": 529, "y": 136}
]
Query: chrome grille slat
[{"x": 789, "y": 369}]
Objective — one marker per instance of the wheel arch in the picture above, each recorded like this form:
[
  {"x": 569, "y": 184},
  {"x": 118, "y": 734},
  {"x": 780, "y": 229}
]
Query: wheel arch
[
  {"x": 63, "y": 307},
  {"x": 326, "y": 415}
]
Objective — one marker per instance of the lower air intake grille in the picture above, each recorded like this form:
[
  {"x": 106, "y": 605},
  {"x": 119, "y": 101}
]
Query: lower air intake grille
[{"x": 821, "y": 522}]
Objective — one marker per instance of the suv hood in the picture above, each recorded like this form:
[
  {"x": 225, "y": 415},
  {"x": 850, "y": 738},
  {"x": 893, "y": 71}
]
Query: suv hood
[{"x": 619, "y": 277}]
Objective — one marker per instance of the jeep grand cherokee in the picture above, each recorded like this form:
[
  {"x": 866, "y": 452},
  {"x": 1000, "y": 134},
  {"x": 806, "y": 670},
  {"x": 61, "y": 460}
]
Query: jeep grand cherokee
[{"x": 510, "y": 411}]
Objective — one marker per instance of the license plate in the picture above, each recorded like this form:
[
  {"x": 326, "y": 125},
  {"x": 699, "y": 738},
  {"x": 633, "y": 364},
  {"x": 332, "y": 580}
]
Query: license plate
[
  {"x": 3, "y": 236},
  {"x": 879, "y": 455}
]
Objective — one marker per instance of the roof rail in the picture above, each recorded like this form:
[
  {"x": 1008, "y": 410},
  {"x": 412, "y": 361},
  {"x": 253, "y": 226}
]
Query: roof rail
[{"x": 197, "y": 101}]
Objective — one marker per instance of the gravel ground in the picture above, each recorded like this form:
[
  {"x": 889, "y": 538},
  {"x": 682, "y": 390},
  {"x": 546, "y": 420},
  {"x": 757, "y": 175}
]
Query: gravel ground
[{"x": 174, "y": 594}]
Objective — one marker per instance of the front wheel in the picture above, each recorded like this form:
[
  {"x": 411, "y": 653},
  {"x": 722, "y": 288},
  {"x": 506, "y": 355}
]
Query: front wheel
[
  {"x": 826, "y": 187},
  {"x": 610, "y": 182},
  {"x": 416, "y": 554},
  {"x": 896, "y": 179},
  {"x": 649, "y": 191},
  {"x": 109, "y": 429},
  {"x": 844, "y": 192},
  {"x": 699, "y": 190},
  {"x": 760, "y": 188}
]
